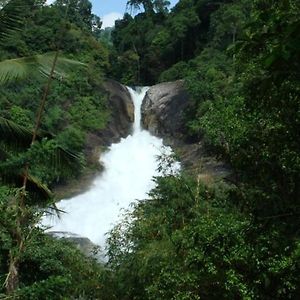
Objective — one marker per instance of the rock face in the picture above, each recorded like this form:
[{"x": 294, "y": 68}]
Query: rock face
[
  {"x": 163, "y": 108},
  {"x": 119, "y": 123},
  {"x": 119, "y": 126},
  {"x": 122, "y": 109},
  {"x": 122, "y": 114},
  {"x": 82, "y": 243},
  {"x": 163, "y": 115}
]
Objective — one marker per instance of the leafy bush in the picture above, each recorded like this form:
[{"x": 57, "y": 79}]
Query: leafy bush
[
  {"x": 185, "y": 242},
  {"x": 55, "y": 269}
]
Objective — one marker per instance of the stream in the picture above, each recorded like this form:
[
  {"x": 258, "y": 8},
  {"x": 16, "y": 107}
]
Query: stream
[{"x": 129, "y": 167}]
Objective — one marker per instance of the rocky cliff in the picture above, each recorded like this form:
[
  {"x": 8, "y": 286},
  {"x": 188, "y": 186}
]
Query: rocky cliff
[
  {"x": 122, "y": 112},
  {"x": 119, "y": 123},
  {"x": 119, "y": 126},
  {"x": 163, "y": 112},
  {"x": 120, "y": 119}
]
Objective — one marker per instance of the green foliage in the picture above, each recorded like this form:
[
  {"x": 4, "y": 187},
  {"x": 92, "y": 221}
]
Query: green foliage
[
  {"x": 86, "y": 115},
  {"x": 72, "y": 275},
  {"x": 165, "y": 40},
  {"x": 258, "y": 118},
  {"x": 245, "y": 100},
  {"x": 185, "y": 242},
  {"x": 134, "y": 58},
  {"x": 20, "y": 115},
  {"x": 49, "y": 268},
  {"x": 150, "y": 5},
  {"x": 71, "y": 138},
  {"x": 176, "y": 72},
  {"x": 79, "y": 12},
  {"x": 29, "y": 159},
  {"x": 228, "y": 23},
  {"x": 54, "y": 269},
  {"x": 214, "y": 99},
  {"x": 13, "y": 69},
  {"x": 240, "y": 62},
  {"x": 130, "y": 61},
  {"x": 77, "y": 104},
  {"x": 11, "y": 13}
]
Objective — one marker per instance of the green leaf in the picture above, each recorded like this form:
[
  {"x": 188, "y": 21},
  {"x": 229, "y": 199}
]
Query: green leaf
[
  {"x": 14, "y": 134},
  {"x": 11, "y": 18},
  {"x": 19, "y": 68}
]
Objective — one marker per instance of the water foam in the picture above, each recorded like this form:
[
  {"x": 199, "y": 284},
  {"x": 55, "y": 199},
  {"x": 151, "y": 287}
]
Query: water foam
[{"x": 129, "y": 168}]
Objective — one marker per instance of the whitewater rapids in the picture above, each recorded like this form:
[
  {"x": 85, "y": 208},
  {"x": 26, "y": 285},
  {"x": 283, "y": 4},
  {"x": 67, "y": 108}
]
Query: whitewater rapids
[{"x": 129, "y": 169}]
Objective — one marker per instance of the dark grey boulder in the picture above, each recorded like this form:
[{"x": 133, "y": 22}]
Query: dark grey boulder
[
  {"x": 163, "y": 114},
  {"x": 122, "y": 112},
  {"x": 163, "y": 109},
  {"x": 120, "y": 119}
]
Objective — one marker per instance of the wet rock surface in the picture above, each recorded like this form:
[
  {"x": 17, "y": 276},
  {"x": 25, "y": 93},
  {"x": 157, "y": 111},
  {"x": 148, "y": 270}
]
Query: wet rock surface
[
  {"x": 122, "y": 113},
  {"x": 163, "y": 112},
  {"x": 120, "y": 120},
  {"x": 163, "y": 109}
]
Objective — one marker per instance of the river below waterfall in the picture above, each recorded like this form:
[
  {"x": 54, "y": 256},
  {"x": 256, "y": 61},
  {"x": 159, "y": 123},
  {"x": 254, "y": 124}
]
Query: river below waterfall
[{"x": 129, "y": 168}]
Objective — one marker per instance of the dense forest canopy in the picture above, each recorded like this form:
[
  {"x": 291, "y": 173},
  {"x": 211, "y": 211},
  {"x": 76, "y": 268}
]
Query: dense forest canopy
[{"x": 232, "y": 239}]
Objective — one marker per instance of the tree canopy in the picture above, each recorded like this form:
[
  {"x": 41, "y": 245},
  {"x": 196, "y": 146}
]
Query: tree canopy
[{"x": 236, "y": 238}]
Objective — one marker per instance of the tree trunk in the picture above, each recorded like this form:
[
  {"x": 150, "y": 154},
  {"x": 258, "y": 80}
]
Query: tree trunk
[{"x": 12, "y": 280}]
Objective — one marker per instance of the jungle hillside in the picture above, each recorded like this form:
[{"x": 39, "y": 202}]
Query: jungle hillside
[{"x": 192, "y": 238}]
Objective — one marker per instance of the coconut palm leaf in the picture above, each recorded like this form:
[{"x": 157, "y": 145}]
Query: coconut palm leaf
[
  {"x": 66, "y": 161},
  {"x": 52, "y": 210},
  {"x": 11, "y": 16},
  {"x": 63, "y": 65},
  {"x": 12, "y": 172},
  {"x": 19, "y": 68},
  {"x": 18, "y": 138},
  {"x": 39, "y": 192},
  {"x": 3, "y": 154},
  {"x": 14, "y": 135}
]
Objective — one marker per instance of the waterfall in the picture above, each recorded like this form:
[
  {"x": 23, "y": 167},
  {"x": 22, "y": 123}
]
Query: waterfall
[
  {"x": 137, "y": 98},
  {"x": 129, "y": 168}
]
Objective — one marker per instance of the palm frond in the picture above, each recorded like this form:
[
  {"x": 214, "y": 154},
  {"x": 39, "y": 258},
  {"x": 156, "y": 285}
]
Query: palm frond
[
  {"x": 11, "y": 16},
  {"x": 19, "y": 68},
  {"x": 67, "y": 162},
  {"x": 13, "y": 69},
  {"x": 13, "y": 134},
  {"x": 53, "y": 210},
  {"x": 39, "y": 192},
  {"x": 20, "y": 138},
  {"x": 3, "y": 154},
  {"x": 63, "y": 65},
  {"x": 13, "y": 170}
]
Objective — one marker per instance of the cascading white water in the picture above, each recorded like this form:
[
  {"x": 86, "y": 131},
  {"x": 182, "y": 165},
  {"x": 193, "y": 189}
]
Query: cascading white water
[
  {"x": 137, "y": 98},
  {"x": 129, "y": 168}
]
